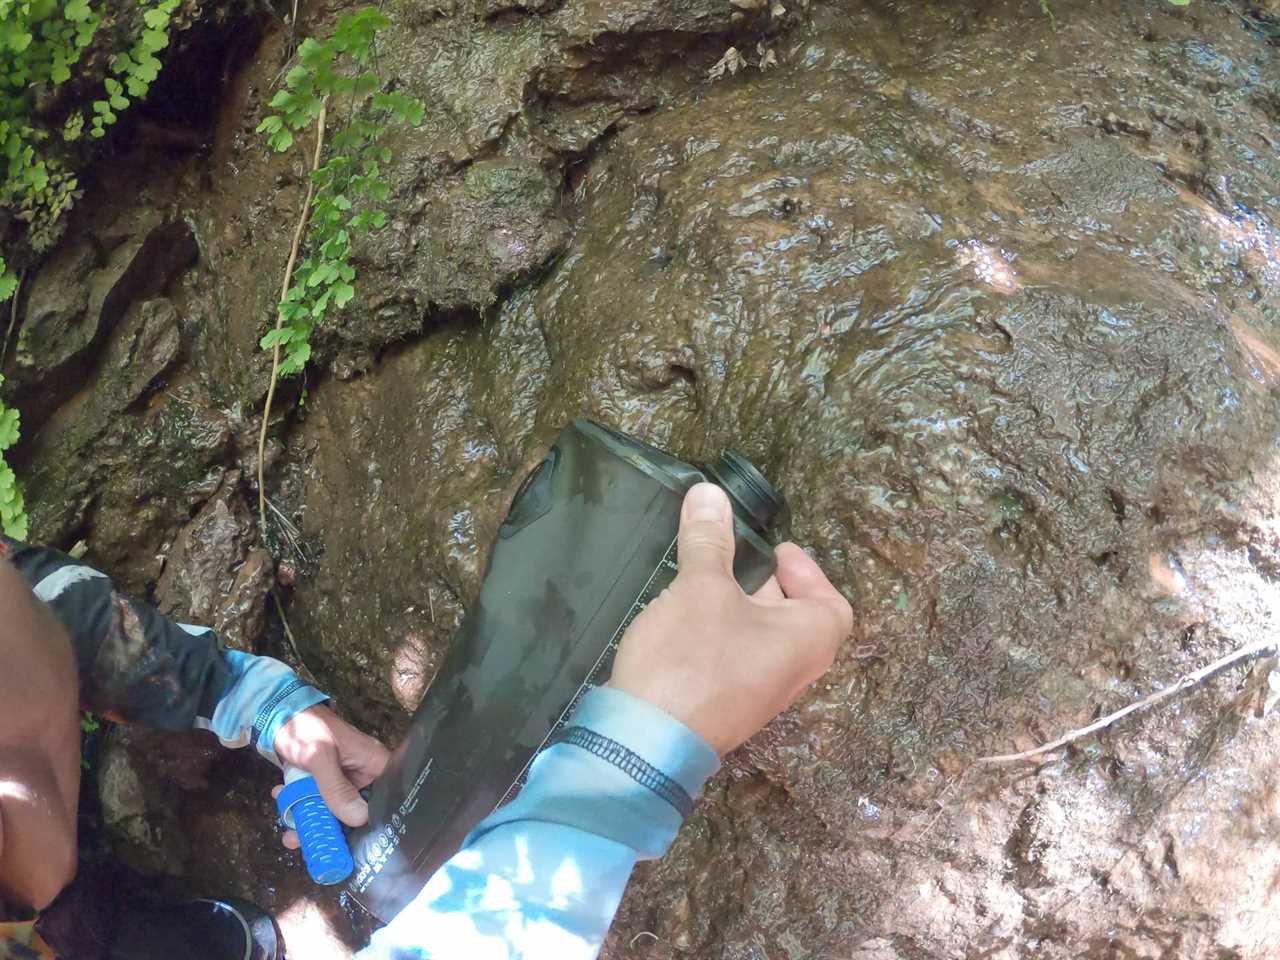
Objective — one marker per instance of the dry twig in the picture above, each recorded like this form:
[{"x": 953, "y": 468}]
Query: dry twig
[
  {"x": 303, "y": 670},
  {"x": 1248, "y": 651},
  {"x": 941, "y": 802},
  {"x": 292, "y": 535},
  {"x": 284, "y": 290}
]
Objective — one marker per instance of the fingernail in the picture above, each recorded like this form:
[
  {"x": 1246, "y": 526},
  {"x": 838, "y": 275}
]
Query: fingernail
[
  {"x": 357, "y": 813},
  {"x": 706, "y": 501}
]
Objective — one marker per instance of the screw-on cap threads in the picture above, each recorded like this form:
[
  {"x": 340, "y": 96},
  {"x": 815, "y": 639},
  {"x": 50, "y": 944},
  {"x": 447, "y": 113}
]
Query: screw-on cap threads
[{"x": 754, "y": 498}]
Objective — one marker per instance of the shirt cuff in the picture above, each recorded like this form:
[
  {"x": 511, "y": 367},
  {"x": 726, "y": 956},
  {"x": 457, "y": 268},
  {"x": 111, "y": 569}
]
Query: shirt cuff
[
  {"x": 291, "y": 703},
  {"x": 621, "y": 769},
  {"x": 264, "y": 695}
]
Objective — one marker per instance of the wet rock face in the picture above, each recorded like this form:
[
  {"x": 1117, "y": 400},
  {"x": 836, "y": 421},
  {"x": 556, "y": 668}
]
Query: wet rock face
[
  {"x": 513, "y": 96},
  {"x": 83, "y": 294},
  {"x": 995, "y": 306},
  {"x": 494, "y": 226},
  {"x": 119, "y": 455},
  {"x": 213, "y": 577},
  {"x": 142, "y": 776},
  {"x": 1005, "y": 337}
]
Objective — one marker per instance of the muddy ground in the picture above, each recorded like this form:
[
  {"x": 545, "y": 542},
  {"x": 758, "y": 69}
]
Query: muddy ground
[{"x": 997, "y": 307}]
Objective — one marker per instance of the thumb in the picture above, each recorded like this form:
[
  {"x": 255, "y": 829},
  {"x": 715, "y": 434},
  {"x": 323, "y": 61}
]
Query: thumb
[
  {"x": 340, "y": 794},
  {"x": 706, "y": 531}
]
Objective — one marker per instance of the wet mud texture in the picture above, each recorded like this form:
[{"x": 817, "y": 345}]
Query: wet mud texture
[{"x": 995, "y": 305}]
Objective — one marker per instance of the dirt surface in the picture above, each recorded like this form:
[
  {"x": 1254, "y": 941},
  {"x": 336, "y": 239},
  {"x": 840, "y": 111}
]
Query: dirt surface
[{"x": 995, "y": 305}]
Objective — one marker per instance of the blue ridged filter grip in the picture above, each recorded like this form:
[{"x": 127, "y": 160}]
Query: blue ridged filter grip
[{"x": 324, "y": 845}]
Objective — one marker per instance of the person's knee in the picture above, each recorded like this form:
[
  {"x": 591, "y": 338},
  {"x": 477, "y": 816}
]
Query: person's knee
[
  {"x": 61, "y": 870},
  {"x": 63, "y": 862},
  {"x": 37, "y": 829},
  {"x": 39, "y": 747}
]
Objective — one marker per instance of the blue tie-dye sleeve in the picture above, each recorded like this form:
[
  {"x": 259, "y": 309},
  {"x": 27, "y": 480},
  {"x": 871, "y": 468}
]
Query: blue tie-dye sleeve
[{"x": 541, "y": 878}]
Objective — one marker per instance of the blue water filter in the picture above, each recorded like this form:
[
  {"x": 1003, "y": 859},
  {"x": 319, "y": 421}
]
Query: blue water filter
[{"x": 324, "y": 845}]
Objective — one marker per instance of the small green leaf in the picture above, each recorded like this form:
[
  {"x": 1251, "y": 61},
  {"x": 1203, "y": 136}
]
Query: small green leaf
[
  {"x": 297, "y": 354},
  {"x": 38, "y": 177},
  {"x": 16, "y": 527},
  {"x": 77, "y": 11},
  {"x": 74, "y": 126},
  {"x": 322, "y": 274},
  {"x": 272, "y": 337},
  {"x": 298, "y": 77},
  {"x": 156, "y": 18},
  {"x": 86, "y": 30},
  {"x": 147, "y": 68},
  {"x": 9, "y": 423},
  {"x": 342, "y": 293},
  {"x": 153, "y": 40},
  {"x": 310, "y": 53}
]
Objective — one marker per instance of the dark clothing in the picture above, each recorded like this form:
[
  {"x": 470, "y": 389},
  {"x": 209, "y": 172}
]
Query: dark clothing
[{"x": 135, "y": 666}]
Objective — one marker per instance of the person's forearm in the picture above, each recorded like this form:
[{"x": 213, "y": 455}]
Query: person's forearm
[
  {"x": 543, "y": 876},
  {"x": 137, "y": 666},
  {"x": 134, "y": 665}
]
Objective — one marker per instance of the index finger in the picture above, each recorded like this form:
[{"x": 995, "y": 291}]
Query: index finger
[{"x": 802, "y": 579}]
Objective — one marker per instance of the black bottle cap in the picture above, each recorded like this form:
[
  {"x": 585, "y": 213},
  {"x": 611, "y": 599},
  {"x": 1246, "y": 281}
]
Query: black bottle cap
[{"x": 754, "y": 498}]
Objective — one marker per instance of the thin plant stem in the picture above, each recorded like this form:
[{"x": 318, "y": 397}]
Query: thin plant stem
[
  {"x": 1248, "y": 651},
  {"x": 284, "y": 290}
]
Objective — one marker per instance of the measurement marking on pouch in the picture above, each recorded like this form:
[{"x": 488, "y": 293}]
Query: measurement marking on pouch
[{"x": 643, "y": 599}]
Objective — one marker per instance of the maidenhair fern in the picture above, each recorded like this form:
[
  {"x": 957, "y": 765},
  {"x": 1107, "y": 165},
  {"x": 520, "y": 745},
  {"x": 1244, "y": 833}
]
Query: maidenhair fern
[
  {"x": 348, "y": 186},
  {"x": 41, "y": 41},
  {"x": 13, "y": 515}
]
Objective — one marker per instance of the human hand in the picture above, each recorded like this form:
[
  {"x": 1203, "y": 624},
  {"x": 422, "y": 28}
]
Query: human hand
[
  {"x": 341, "y": 758},
  {"x": 721, "y": 662}
]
